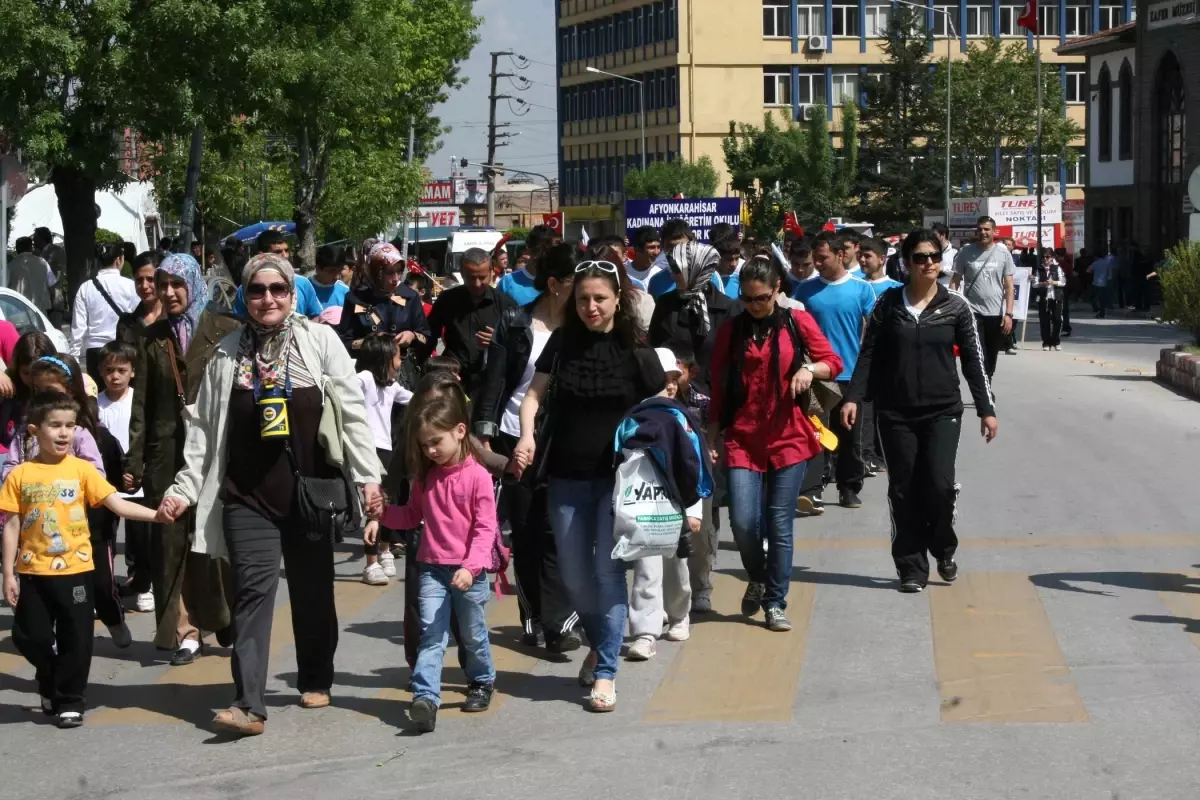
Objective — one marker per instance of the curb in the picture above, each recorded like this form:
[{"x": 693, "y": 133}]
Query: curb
[{"x": 1179, "y": 369}]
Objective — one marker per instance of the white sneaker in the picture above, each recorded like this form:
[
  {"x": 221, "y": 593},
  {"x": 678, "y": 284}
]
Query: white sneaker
[
  {"x": 388, "y": 562},
  {"x": 643, "y": 648},
  {"x": 373, "y": 575},
  {"x": 701, "y": 604},
  {"x": 680, "y": 632},
  {"x": 145, "y": 602}
]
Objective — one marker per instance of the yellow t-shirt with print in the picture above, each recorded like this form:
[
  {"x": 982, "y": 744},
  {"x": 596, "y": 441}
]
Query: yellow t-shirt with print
[{"x": 54, "y": 529}]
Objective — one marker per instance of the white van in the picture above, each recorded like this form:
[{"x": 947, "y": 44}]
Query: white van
[{"x": 463, "y": 240}]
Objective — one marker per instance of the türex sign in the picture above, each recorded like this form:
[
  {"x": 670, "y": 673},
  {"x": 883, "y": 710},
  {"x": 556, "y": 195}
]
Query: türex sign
[{"x": 1015, "y": 210}]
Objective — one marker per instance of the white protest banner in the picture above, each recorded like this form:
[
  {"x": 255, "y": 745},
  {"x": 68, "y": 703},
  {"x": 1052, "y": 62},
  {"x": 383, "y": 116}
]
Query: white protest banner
[{"x": 1022, "y": 280}]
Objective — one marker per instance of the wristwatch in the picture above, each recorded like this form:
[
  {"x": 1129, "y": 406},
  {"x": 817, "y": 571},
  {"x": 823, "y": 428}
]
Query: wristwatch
[{"x": 809, "y": 367}]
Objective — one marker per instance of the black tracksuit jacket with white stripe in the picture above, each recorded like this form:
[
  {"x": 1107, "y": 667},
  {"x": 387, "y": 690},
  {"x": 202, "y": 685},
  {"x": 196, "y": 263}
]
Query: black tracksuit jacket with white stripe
[{"x": 907, "y": 365}]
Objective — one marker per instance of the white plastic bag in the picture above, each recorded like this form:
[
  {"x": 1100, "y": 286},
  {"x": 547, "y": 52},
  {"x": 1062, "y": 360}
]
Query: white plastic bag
[{"x": 646, "y": 521}]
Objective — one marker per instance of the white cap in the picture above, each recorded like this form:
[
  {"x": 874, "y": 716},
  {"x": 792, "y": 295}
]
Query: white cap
[{"x": 667, "y": 359}]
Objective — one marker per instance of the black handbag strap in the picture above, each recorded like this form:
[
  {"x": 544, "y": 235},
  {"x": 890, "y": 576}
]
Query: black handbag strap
[{"x": 107, "y": 297}]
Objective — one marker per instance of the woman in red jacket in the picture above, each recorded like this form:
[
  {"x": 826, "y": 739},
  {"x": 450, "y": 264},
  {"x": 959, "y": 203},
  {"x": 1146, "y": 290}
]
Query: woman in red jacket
[{"x": 763, "y": 359}]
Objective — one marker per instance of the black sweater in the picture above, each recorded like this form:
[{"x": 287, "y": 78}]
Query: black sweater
[{"x": 907, "y": 365}]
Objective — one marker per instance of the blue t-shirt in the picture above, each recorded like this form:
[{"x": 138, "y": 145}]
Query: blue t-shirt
[
  {"x": 733, "y": 284},
  {"x": 306, "y": 300},
  {"x": 333, "y": 296},
  {"x": 839, "y": 309},
  {"x": 519, "y": 286},
  {"x": 882, "y": 285}
]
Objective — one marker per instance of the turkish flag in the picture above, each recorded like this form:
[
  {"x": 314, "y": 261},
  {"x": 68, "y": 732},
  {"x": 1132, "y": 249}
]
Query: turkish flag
[
  {"x": 554, "y": 222},
  {"x": 1029, "y": 17},
  {"x": 791, "y": 224},
  {"x": 829, "y": 226}
]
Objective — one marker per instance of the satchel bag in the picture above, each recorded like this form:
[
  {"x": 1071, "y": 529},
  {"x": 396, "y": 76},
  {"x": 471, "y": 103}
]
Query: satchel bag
[
  {"x": 326, "y": 505},
  {"x": 821, "y": 397}
]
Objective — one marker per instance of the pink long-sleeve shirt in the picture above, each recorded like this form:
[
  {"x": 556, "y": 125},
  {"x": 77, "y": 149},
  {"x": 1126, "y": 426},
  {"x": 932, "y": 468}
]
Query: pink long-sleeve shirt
[{"x": 458, "y": 507}]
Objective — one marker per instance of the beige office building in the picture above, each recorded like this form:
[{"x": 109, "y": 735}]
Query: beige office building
[{"x": 702, "y": 63}]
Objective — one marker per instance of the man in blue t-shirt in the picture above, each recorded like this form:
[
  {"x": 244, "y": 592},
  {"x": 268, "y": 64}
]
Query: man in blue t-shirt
[
  {"x": 519, "y": 284},
  {"x": 872, "y": 255},
  {"x": 841, "y": 304}
]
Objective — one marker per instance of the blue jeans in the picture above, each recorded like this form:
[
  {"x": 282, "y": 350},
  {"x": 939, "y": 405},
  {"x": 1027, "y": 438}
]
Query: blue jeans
[
  {"x": 582, "y": 518},
  {"x": 763, "y": 505},
  {"x": 436, "y": 598}
]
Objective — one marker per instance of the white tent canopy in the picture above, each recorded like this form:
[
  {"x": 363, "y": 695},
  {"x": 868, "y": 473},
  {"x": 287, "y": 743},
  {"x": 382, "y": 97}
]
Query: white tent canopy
[{"x": 126, "y": 212}]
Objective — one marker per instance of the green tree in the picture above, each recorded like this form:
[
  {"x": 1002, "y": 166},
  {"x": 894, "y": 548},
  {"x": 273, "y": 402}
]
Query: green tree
[
  {"x": 671, "y": 178},
  {"x": 346, "y": 77},
  {"x": 994, "y": 97},
  {"x": 896, "y": 124}
]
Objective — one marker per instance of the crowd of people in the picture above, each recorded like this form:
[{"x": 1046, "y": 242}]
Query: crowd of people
[{"x": 364, "y": 401}]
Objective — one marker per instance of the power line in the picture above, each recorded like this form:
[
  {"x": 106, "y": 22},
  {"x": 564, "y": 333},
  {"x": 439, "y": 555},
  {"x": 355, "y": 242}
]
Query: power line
[{"x": 524, "y": 61}]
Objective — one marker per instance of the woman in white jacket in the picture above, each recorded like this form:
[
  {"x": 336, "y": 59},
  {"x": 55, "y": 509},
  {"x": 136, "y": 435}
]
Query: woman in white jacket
[{"x": 240, "y": 469}]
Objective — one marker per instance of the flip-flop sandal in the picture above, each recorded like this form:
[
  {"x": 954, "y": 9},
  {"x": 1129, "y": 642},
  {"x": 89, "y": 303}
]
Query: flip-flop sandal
[
  {"x": 602, "y": 702},
  {"x": 587, "y": 673}
]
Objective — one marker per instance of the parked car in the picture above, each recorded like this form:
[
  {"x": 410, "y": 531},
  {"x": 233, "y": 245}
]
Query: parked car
[{"x": 25, "y": 317}]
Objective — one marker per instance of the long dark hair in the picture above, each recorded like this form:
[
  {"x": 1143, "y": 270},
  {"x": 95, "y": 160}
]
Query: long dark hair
[
  {"x": 29, "y": 348},
  {"x": 443, "y": 412},
  {"x": 107, "y": 254},
  {"x": 376, "y": 355},
  {"x": 624, "y": 328}
]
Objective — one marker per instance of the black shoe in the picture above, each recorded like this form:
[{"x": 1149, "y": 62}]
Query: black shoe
[
  {"x": 225, "y": 636},
  {"x": 848, "y": 498},
  {"x": 183, "y": 656},
  {"x": 479, "y": 697},
  {"x": 911, "y": 586},
  {"x": 752, "y": 599},
  {"x": 869, "y": 469},
  {"x": 948, "y": 570},
  {"x": 532, "y": 636},
  {"x": 423, "y": 713},
  {"x": 564, "y": 642}
]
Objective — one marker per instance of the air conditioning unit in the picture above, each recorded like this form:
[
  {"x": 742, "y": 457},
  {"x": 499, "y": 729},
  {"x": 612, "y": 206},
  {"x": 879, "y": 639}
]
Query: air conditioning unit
[
  {"x": 1052, "y": 188},
  {"x": 816, "y": 44},
  {"x": 806, "y": 112}
]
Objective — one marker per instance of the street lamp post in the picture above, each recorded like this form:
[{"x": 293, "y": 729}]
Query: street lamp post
[
  {"x": 949, "y": 59},
  {"x": 641, "y": 105}
]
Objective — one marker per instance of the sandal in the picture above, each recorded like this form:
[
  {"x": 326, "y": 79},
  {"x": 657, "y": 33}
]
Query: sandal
[
  {"x": 239, "y": 722},
  {"x": 602, "y": 702},
  {"x": 587, "y": 673}
]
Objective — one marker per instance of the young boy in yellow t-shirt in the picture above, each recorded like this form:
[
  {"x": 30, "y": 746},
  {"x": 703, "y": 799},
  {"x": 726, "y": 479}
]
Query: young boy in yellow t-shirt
[{"x": 47, "y": 544}]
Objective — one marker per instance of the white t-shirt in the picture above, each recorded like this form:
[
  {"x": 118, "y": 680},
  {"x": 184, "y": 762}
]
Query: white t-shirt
[
  {"x": 510, "y": 422},
  {"x": 114, "y": 416},
  {"x": 910, "y": 308},
  {"x": 644, "y": 275},
  {"x": 948, "y": 256},
  {"x": 379, "y": 407}
]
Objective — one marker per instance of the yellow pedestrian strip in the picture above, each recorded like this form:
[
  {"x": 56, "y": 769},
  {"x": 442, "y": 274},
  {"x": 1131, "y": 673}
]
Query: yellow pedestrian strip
[
  {"x": 502, "y": 614},
  {"x": 212, "y": 671},
  {"x": 732, "y": 669},
  {"x": 996, "y": 654}
]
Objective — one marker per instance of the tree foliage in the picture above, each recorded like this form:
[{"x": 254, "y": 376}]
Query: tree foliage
[
  {"x": 671, "y": 178},
  {"x": 898, "y": 118},
  {"x": 994, "y": 100}
]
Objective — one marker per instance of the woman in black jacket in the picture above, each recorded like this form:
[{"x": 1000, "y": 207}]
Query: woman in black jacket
[
  {"x": 907, "y": 367},
  {"x": 517, "y": 342}
]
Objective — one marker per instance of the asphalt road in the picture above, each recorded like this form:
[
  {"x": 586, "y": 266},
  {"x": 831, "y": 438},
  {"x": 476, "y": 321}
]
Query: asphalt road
[{"x": 1065, "y": 663}]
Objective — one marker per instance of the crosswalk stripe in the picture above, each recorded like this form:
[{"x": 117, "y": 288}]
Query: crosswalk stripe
[
  {"x": 996, "y": 654},
  {"x": 350, "y": 597},
  {"x": 502, "y": 613},
  {"x": 731, "y": 670}
]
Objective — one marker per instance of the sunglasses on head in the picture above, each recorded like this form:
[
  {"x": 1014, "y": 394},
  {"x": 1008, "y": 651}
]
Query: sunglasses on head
[
  {"x": 257, "y": 291},
  {"x": 603, "y": 266},
  {"x": 925, "y": 258}
]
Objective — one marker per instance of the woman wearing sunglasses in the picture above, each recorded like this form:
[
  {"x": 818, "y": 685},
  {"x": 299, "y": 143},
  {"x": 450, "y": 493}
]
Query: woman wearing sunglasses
[
  {"x": 763, "y": 361},
  {"x": 907, "y": 367},
  {"x": 190, "y": 591},
  {"x": 592, "y": 370},
  {"x": 261, "y": 424}
]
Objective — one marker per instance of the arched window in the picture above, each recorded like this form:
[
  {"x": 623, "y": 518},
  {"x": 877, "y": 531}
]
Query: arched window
[
  {"x": 1170, "y": 107},
  {"x": 1104, "y": 114},
  {"x": 1125, "y": 114}
]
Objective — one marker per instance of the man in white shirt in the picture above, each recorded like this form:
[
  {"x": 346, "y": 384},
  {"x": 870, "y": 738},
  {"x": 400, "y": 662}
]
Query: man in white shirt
[
  {"x": 647, "y": 247},
  {"x": 31, "y": 275},
  {"x": 99, "y": 303},
  {"x": 949, "y": 253}
]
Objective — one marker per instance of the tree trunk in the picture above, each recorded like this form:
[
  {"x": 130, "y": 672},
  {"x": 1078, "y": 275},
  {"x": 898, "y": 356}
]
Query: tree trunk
[
  {"x": 311, "y": 174},
  {"x": 77, "y": 207},
  {"x": 187, "y": 214}
]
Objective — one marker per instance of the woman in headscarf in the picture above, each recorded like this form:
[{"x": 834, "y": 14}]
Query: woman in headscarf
[
  {"x": 685, "y": 321},
  {"x": 382, "y": 303},
  {"x": 240, "y": 473},
  {"x": 190, "y": 591}
]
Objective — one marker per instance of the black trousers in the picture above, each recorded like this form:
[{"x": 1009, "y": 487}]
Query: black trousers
[
  {"x": 255, "y": 545},
  {"x": 102, "y": 526},
  {"x": 815, "y": 476},
  {"x": 386, "y": 535},
  {"x": 991, "y": 335},
  {"x": 91, "y": 358},
  {"x": 540, "y": 591},
  {"x": 138, "y": 565},
  {"x": 1050, "y": 321},
  {"x": 56, "y": 610},
  {"x": 872, "y": 450},
  {"x": 1066, "y": 313},
  {"x": 920, "y": 457},
  {"x": 848, "y": 468}
]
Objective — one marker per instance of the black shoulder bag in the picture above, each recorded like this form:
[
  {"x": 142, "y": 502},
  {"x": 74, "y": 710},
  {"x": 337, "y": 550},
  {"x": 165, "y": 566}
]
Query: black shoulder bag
[{"x": 543, "y": 434}]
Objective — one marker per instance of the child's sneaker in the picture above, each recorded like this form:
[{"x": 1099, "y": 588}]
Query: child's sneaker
[
  {"x": 120, "y": 635},
  {"x": 145, "y": 602},
  {"x": 643, "y": 648},
  {"x": 70, "y": 719},
  {"x": 388, "y": 562},
  {"x": 423, "y": 713},
  {"x": 680, "y": 631},
  {"x": 373, "y": 575}
]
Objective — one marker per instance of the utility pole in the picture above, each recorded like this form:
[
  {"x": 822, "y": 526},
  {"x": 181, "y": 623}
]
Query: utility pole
[
  {"x": 492, "y": 143},
  {"x": 411, "y": 145}
]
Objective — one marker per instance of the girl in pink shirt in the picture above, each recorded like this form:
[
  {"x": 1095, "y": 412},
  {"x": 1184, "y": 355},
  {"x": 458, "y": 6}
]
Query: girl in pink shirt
[{"x": 452, "y": 494}]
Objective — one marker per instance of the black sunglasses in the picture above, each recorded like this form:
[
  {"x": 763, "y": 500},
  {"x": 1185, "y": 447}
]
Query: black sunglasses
[
  {"x": 925, "y": 258},
  {"x": 257, "y": 291},
  {"x": 757, "y": 298}
]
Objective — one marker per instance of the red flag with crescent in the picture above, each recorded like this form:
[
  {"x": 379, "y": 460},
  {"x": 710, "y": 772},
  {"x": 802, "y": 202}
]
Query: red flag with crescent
[
  {"x": 1029, "y": 17},
  {"x": 554, "y": 222}
]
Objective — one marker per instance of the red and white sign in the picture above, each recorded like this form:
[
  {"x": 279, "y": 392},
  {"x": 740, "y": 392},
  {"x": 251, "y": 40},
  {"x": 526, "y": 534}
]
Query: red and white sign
[
  {"x": 439, "y": 217},
  {"x": 554, "y": 222},
  {"x": 456, "y": 192},
  {"x": 1015, "y": 210},
  {"x": 438, "y": 193},
  {"x": 1026, "y": 235}
]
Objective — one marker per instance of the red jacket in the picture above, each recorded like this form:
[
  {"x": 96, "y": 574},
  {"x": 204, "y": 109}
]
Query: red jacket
[{"x": 769, "y": 430}]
